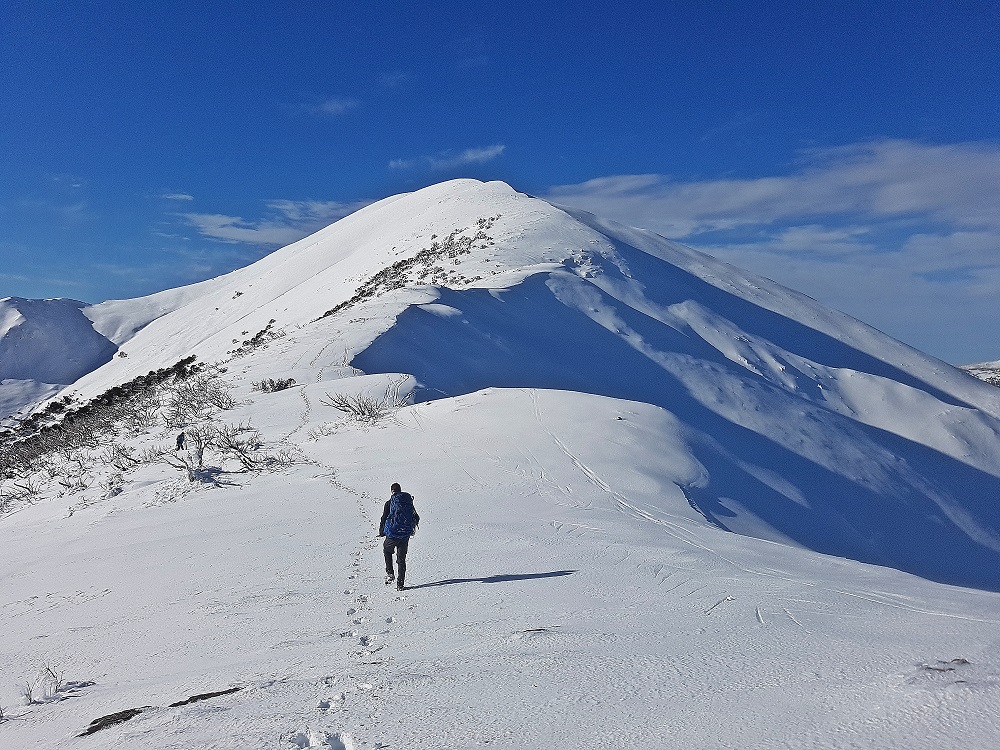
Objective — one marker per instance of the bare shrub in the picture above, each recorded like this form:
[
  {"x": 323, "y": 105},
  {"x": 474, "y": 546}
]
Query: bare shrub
[
  {"x": 367, "y": 408},
  {"x": 322, "y": 431},
  {"x": 20, "y": 491},
  {"x": 52, "y": 680},
  {"x": 241, "y": 442},
  {"x": 259, "y": 340},
  {"x": 47, "y": 685},
  {"x": 76, "y": 482},
  {"x": 181, "y": 461},
  {"x": 113, "y": 485},
  {"x": 196, "y": 398},
  {"x": 426, "y": 263},
  {"x": 60, "y": 442},
  {"x": 120, "y": 457},
  {"x": 270, "y": 385},
  {"x": 142, "y": 412}
]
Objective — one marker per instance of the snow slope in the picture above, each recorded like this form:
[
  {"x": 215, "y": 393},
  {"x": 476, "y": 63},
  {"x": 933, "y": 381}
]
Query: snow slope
[
  {"x": 45, "y": 344},
  {"x": 48, "y": 340},
  {"x": 593, "y": 412},
  {"x": 544, "y": 611}
]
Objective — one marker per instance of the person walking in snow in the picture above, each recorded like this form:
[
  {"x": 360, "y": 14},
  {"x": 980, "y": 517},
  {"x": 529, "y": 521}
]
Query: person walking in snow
[
  {"x": 180, "y": 441},
  {"x": 399, "y": 522}
]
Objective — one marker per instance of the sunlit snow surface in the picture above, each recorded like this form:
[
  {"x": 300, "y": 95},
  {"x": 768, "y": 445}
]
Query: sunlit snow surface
[{"x": 592, "y": 420}]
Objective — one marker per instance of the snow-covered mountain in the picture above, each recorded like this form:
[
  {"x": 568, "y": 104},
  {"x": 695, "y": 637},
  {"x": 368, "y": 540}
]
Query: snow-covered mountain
[
  {"x": 640, "y": 449},
  {"x": 45, "y": 344}
]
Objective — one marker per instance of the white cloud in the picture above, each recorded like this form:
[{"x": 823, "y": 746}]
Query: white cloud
[
  {"x": 286, "y": 222},
  {"x": 903, "y": 235},
  {"x": 880, "y": 180},
  {"x": 446, "y": 160},
  {"x": 177, "y": 197},
  {"x": 469, "y": 156}
]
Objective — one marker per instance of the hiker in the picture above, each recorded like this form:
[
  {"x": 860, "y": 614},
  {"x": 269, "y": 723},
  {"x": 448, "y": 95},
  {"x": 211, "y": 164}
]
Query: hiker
[
  {"x": 398, "y": 524},
  {"x": 180, "y": 441}
]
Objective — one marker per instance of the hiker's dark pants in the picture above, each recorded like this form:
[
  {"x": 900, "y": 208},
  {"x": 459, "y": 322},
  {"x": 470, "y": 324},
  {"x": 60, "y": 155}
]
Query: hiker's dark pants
[{"x": 400, "y": 546}]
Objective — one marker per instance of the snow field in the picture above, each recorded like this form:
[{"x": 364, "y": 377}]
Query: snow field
[{"x": 543, "y": 612}]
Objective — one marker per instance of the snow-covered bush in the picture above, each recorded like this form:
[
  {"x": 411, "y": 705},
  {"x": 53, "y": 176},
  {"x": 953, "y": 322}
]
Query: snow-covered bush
[
  {"x": 18, "y": 492},
  {"x": 425, "y": 265},
  {"x": 259, "y": 340},
  {"x": 60, "y": 442},
  {"x": 113, "y": 484},
  {"x": 367, "y": 408},
  {"x": 195, "y": 399},
  {"x": 45, "y": 686},
  {"x": 271, "y": 385},
  {"x": 241, "y": 443}
]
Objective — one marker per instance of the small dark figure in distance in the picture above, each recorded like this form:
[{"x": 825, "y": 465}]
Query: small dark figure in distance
[
  {"x": 180, "y": 441},
  {"x": 399, "y": 522}
]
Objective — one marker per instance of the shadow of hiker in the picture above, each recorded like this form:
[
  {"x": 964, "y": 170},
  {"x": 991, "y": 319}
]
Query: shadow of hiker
[
  {"x": 213, "y": 475},
  {"x": 504, "y": 578}
]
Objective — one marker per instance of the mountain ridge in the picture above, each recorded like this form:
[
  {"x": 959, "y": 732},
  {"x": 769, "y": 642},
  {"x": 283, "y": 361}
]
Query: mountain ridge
[
  {"x": 465, "y": 286},
  {"x": 662, "y": 501}
]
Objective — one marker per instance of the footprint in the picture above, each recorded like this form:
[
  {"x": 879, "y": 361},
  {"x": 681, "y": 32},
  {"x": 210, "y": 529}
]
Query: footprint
[
  {"x": 340, "y": 741},
  {"x": 315, "y": 738},
  {"x": 333, "y": 701}
]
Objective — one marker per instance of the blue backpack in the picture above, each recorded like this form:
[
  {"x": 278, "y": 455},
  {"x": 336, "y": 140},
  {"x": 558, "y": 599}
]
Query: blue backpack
[{"x": 403, "y": 519}]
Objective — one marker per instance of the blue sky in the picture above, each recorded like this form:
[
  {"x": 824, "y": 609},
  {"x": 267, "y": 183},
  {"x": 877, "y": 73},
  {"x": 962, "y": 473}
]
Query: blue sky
[{"x": 850, "y": 150}]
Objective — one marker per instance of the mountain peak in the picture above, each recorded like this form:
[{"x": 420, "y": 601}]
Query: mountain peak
[{"x": 792, "y": 422}]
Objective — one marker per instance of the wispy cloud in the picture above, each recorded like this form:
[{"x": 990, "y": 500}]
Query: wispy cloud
[
  {"x": 469, "y": 156},
  {"x": 848, "y": 225},
  {"x": 396, "y": 78},
  {"x": 446, "y": 160},
  {"x": 285, "y": 221},
  {"x": 177, "y": 197},
  {"x": 335, "y": 106},
  {"x": 957, "y": 184}
]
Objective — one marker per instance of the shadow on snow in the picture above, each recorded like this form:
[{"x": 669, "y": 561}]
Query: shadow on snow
[
  {"x": 873, "y": 496},
  {"x": 505, "y": 578}
]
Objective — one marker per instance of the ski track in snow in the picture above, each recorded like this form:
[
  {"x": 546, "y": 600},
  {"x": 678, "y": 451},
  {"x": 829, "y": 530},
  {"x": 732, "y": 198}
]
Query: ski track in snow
[{"x": 621, "y": 502}]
